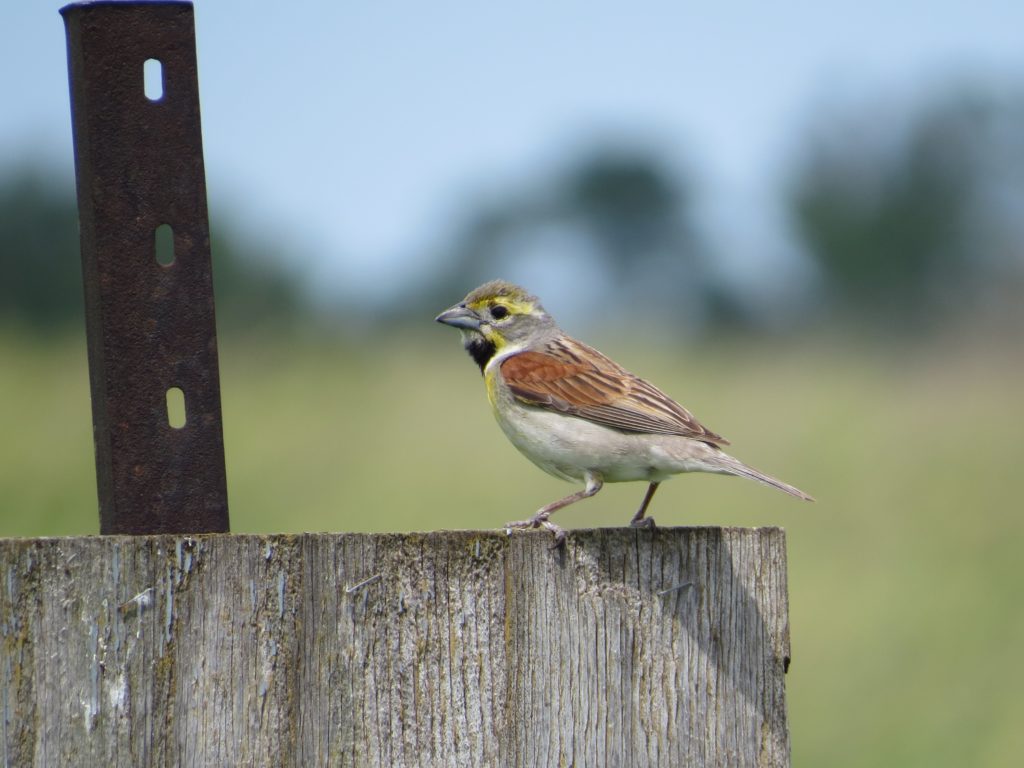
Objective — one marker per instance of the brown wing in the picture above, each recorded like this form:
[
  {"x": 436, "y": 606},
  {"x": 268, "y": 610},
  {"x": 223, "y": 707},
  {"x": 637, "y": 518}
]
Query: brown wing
[{"x": 570, "y": 377}]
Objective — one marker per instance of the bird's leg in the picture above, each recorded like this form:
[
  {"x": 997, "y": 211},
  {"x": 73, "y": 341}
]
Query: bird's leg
[
  {"x": 540, "y": 520},
  {"x": 639, "y": 521}
]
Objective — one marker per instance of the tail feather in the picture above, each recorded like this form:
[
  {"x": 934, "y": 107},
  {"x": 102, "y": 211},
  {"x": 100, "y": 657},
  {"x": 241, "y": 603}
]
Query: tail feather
[{"x": 734, "y": 466}]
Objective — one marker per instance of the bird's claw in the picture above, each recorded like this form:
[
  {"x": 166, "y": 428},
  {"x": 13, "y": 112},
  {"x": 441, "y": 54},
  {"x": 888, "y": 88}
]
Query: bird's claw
[
  {"x": 643, "y": 522},
  {"x": 540, "y": 520},
  {"x": 534, "y": 522}
]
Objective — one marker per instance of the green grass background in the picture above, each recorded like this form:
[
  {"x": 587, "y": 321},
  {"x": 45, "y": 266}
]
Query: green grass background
[{"x": 906, "y": 611}]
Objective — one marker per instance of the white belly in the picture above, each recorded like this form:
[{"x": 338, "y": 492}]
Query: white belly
[{"x": 567, "y": 447}]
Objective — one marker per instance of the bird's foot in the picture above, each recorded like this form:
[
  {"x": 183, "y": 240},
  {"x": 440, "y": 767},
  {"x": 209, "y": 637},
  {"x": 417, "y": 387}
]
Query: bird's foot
[
  {"x": 642, "y": 522},
  {"x": 540, "y": 520}
]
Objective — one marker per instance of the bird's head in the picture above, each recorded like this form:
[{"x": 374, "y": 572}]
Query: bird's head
[{"x": 496, "y": 315}]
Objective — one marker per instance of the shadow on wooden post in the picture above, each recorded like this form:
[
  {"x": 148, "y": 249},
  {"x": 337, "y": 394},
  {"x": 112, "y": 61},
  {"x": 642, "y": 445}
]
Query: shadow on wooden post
[{"x": 630, "y": 648}]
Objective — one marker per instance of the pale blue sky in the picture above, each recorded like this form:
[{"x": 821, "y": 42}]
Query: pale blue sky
[{"x": 355, "y": 131}]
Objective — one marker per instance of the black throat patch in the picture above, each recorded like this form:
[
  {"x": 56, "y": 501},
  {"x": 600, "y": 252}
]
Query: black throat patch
[{"x": 480, "y": 349}]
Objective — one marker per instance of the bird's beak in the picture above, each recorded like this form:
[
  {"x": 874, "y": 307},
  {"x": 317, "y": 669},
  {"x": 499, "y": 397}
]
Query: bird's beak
[{"x": 460, "y": 317}]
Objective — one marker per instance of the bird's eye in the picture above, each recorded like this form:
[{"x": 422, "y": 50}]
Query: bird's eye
[{"x": 498, "y": 312}]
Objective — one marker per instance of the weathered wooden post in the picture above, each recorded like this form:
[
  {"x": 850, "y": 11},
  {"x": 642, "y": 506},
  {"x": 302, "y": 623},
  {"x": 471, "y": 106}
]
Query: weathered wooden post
[
  {"x": 631, "y": 648},
  {"x": 663, "y": 647}
]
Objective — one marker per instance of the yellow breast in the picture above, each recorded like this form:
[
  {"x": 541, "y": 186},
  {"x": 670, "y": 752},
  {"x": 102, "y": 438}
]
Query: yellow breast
[{"x": 491, "y": 382}]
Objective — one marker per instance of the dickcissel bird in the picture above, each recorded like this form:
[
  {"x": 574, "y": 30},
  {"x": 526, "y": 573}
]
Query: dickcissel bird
[{"x": 575, "y": 413}]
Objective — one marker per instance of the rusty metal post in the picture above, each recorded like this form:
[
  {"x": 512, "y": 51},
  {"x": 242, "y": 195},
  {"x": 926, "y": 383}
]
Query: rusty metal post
[{"x": 149, "y": 323}]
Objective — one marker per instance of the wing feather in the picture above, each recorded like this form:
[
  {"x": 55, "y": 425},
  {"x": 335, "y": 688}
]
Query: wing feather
[{"x": 570, "y": 377}]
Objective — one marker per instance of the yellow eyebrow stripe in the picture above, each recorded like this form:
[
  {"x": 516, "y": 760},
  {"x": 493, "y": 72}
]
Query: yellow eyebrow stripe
[{"x": 513, "y": 306}]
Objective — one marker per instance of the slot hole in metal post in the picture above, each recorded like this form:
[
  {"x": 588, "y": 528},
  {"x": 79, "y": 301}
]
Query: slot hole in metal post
[
  {"x": 164, "y": 245},
  {"x": 176, "y": 407},
  {"x": 153, "y": 79}
]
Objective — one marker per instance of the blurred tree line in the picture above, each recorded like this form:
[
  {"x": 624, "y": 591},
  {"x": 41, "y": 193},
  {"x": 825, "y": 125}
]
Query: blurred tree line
[
  {"x": 40, "y": 267},
  {"x": 616, "y": 225},
  {"x": 917, "y": 225},
  {"x": 904, "y": 222}
]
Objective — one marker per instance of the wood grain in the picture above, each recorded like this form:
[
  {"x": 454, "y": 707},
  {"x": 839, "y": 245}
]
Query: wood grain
[{"x": 628, "y": 648}]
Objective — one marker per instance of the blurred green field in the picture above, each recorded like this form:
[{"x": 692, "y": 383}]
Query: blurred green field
[{"x": 905, "y": 577}]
